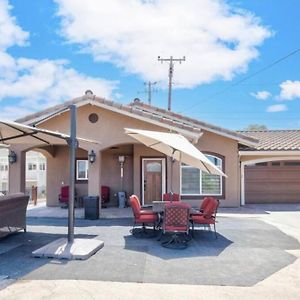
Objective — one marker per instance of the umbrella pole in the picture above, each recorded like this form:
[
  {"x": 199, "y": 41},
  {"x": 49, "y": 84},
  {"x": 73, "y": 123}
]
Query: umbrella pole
[
  {"x": 171, "y": 179},
  {"x": 72, "y": 150}
]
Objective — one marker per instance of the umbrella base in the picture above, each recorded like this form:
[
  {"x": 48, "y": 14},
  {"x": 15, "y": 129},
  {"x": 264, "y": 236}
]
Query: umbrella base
[{"x": 80, "y": 249}]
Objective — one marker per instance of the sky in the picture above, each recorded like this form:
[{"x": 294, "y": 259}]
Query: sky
[{"x": 242, "y": 57}]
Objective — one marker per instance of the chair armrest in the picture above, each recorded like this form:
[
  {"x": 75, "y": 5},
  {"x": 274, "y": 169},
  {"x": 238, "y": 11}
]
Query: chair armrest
[
  {"x": 196, "y": 212},
  {"x": 149, "y": 206}
]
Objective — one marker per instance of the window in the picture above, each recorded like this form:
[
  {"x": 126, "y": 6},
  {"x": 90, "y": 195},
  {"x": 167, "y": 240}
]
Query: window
[
  {"x": 197, "y": 182},
  {"x": 42, "y": 167},
  {"x": 82, "y": 169},
  {"x": 31, "y": 166},
  {"x": 153, "y": 167},
  {"x": 292, "y": 163},
  {"x": 3, "y": 167},
  {"x": 262, "y": 164}
]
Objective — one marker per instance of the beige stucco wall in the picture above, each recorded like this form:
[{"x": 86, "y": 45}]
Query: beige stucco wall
[{"x": 109, "y": 131}]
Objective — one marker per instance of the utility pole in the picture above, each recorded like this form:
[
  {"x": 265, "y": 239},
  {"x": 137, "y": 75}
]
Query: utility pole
[
  {"x": 171, "y": 61},
  {"x": 149, "y": 90},
  {"x": 150, "y": 85}
]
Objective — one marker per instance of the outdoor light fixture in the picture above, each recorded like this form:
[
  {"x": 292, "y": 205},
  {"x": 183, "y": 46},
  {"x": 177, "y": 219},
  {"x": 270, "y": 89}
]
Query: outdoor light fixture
[
  {"x": 92, "y": 156},
  {"x": 121, "y": 159},
  {"x": 12, "y": 157}
]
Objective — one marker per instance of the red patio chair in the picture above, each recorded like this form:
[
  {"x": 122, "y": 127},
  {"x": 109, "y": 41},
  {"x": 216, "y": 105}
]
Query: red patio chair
[
  {"x": 176, "y": 222},
  {"x": 142, "y": 216},
  {"x": 203, "y": 204},
  {"x": 169, "y": 196},
  {"x": 208, "y": 216},
  {"x": 63, "y": 197},
  {"x": 105, "y": 191}
]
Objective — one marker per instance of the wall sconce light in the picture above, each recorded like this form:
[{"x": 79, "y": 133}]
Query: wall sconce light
[
  {"x": 121, "y": 159},
  {"x": 92, "y": 157},
  {"x": 12, "y": 157}
]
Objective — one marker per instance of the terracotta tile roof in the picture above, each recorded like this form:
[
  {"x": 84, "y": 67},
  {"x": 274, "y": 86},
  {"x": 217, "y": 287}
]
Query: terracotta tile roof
[
  {"x": 175, "y": 118},
  {"x": 138, "y": 108},
  {"x": 274, "y": 140}
]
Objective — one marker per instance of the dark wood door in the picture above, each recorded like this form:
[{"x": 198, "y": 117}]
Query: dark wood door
[{"x": 152, "y": 180}]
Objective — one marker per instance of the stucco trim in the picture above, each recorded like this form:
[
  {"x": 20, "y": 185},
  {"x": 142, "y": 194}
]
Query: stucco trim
[{"x": 269, "y": 153}]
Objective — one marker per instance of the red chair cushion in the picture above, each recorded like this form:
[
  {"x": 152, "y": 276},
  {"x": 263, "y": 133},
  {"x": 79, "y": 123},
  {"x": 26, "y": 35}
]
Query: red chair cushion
[
  {"x": 147, "y": 218},
  {"x": 141, "y": 216}
]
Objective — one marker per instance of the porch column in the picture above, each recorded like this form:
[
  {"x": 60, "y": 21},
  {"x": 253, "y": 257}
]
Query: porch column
[
  {"x": 16, "y": 173},
  {"x": 168, "y": 173},
  {"x": 94, "y": 181}
]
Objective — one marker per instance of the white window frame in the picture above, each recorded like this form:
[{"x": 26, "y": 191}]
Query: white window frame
[
  {"x": 200, "y": 178},
  {"x": 86, "y": 169}
]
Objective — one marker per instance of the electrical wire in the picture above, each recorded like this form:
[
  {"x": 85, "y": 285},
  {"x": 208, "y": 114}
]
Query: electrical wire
[{"x": 244, "y": 79}]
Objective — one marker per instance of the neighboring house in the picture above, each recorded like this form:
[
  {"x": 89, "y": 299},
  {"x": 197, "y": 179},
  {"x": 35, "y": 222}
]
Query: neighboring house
[
  {"x": 146, "y": 171},
  {"x": 35, "y": 172}
]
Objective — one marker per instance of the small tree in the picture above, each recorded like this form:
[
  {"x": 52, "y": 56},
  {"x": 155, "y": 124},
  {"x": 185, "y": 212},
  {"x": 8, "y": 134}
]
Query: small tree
[{"x": 255, "y": 127}]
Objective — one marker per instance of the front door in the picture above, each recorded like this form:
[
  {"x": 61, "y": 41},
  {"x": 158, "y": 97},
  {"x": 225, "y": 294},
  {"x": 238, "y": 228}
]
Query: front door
[{"x": 153, "y": 178}]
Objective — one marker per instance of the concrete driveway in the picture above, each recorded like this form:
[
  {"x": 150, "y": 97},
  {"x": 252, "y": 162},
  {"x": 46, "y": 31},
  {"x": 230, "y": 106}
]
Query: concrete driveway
[{"x": 256, "y": 255}]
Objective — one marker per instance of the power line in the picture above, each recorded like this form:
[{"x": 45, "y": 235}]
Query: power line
[{"x": 245, "y": 78}]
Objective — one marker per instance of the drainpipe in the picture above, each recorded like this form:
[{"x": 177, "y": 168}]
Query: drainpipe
[{"x": 243, "y": 183}]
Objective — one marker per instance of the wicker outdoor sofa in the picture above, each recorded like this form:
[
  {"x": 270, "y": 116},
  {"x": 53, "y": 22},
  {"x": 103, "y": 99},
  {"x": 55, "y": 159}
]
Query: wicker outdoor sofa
[{"x": 13, "y": 213}]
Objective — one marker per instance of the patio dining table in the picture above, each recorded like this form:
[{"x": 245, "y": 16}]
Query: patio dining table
[{"x": 159, "y": 207}]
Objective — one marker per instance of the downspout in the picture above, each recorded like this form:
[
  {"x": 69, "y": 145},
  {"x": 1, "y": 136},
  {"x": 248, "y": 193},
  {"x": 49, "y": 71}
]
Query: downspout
[{"x": 243, "y": 183}]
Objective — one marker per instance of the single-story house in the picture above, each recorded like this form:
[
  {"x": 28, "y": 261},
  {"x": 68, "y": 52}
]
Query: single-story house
[{"x": 261, "y": 166}]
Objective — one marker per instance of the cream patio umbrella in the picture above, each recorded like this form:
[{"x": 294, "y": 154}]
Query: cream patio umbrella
[{"x": 175, "y": 146}]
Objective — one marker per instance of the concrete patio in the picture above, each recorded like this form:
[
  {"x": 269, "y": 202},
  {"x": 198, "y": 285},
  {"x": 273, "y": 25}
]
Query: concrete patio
[{"x": 254, "y": 248}]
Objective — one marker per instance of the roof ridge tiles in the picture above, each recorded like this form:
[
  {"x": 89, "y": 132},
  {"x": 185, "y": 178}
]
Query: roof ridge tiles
[{"x": 139, "y": 108}]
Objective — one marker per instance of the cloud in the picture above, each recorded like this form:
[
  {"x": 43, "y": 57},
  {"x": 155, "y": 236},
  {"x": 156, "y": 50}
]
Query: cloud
[
  {"x": 217, "y": 40},
  {"x": 261, "y": 95},
  {"x": 42, "y": 83},
  {"x": 34, "y": 84},
  {"x": 277, "y": 108},
  {"x": 290, "y": 90},
  {"x": 11, "y": 34}
]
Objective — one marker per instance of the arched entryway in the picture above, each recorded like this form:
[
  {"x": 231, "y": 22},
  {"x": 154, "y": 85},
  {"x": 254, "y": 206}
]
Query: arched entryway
[{"x": 117, "y": 171}]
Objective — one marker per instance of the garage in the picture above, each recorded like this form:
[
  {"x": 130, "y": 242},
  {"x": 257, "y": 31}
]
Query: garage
[
  {"x": 270, "y": 171},
  {"x": 272, "y": 182}
]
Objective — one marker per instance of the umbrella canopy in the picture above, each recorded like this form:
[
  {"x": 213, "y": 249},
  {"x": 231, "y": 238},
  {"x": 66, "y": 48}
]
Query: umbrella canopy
[
  {"x": 175, "y": 146},
  {"x": 16, "y": 133}
]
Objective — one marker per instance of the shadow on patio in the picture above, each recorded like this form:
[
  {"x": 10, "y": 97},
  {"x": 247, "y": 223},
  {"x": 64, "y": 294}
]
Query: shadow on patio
[
  {"x": 204, "y": 243},
  {"x": 15, "y": 253}
]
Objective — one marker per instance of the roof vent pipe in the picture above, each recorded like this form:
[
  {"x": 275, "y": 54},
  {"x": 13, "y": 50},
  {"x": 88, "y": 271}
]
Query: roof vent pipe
[{"x": 88, "y": 92}]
